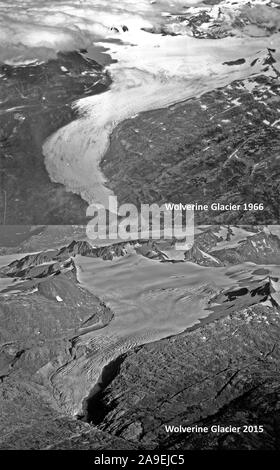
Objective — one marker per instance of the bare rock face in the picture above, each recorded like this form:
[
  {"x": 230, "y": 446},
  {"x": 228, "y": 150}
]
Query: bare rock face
[
  {"x": 261, "y": 247},
  {"x": 222, "y": 372},
  {"x": 51, "y": 261},
  {"x": 210, "y": 249},
  {"x": 21, "y": 267},
  {"x": 30, "y": 421},
  {"x": 208, "y": 238},
  {"x": 84, "y": 248},
  {"x": 202, "y": 258},
  {"x": 40, "y": 317},
  {"x": 47, "y": 307},
  {"x": 216, "y": 19}
]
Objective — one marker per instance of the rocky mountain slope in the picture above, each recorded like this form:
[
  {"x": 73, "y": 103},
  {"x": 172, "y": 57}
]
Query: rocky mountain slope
[
  {"x": 216, "y": 19},
  {"x": 222, "y": 370},
  {"x": 220, "y": 147},
  {"x": 36, "y": 99},
  {"x": 213, "y": 246},
  {"x": 39, "y": 324},
  {"x": 217, "y": 246},
  {"x": 222, "y": 373}
]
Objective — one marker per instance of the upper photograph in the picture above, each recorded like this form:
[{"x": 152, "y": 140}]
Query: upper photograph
[{"x": 153, "y": 102}]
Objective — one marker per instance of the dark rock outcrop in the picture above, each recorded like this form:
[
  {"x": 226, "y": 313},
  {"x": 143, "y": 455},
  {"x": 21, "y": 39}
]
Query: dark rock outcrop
[
  {"x": 249, "y": 292},
  {"x": 196, "y": 255}
]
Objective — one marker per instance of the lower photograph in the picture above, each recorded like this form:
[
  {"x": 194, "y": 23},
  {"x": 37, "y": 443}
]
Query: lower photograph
[{"x": 138, "y": 346}]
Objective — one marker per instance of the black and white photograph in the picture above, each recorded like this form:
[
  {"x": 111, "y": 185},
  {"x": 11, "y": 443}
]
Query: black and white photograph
[{"x": 139, "y": 228}]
